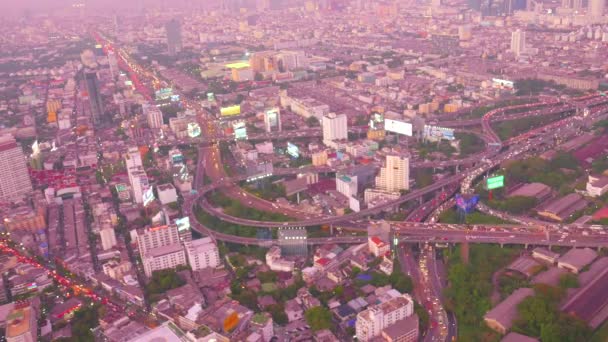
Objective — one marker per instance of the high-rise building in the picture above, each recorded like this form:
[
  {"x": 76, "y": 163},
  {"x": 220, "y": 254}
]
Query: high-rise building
[
  {"x": 160, "y": 248},
  {"x": 163, "y": 258},
  {"x": 137, "y": 175},
  {"x": 154, "y": 116},
  {"x": 154, "y": 237},
  {"x": 293, "y": 241},
  {"x": 15, "y": 181},
  {"x": 573, "y": 4},
  {"x": 372, "y": 321},
  {"x": 395, "y": 175},
  {"x": 596, "y": 8},
  {"x": 174, "y": 36},
  {"x": 113, "y": 63},
  {"x": 202, "y": 253},
  {"x": 108, "y": 238},
  {"x": 518, "y": 42},
  {"x": 94, "y": 93},
  {"x": 334, "y": 127}
]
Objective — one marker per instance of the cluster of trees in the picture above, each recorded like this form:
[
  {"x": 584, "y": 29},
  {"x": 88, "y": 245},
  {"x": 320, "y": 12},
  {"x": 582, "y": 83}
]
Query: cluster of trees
[
  {"x": 534, "y": 86},
  {"x": 557, "y": 173},
  {"x": 215, "y": 223},
  {"x": 514, "y": 205},
  {"x": 452, "y": 216},
  {"x": 469, "y": 144},
  {"x": 468, "y": 295},
  {"x": 318, "y": 318},
  {"x": 444, "y": 147},
  {"x": 508, "y": 129},
  {"x": 236, "y": 208},
  {"x": 539, "y": 316},
  {"x": 84, "y": 320},
  {"x": 163, "y": 281}
]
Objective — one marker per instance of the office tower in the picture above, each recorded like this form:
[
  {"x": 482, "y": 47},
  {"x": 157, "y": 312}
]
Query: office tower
[
  {"x": 573, "y": 4},
  {"x": 596, "y": 8},
  {"x": 15, "y": 181},
  {"x": 518, "y": 42},
  {"x": 334, "y": 127},
  {"x": 94, "y": 93},
  {"x": 154, "y": 116},
  {"x": 347, "y": 184},
  {"x": 272, "y": 120},
  {"x": 113, "y": 63},
  {"x": 160, "y": 248},
  {"x": 395, "y": 175},
  {"x": 154, "y": 237},
  {"x": 202, "y": 253},
  {"x": 108, "y": 238},
  {"x": 174, "y": 36},
  {"x": 137, "y": 175},
  {"x": 293, "y": 241},
  {"x": 373, "y": 321}
]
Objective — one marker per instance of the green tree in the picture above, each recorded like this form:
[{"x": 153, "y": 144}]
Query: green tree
[
  {"x": 312, "y": 121},
  {"x": 318, "y": 318}
]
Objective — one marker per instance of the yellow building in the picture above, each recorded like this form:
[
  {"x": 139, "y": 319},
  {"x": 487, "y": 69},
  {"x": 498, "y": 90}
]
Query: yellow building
[
  {"x": 319, "y": 158},
  {"x": 374, "y": 134},
  {"x": 450, "y": 107}
]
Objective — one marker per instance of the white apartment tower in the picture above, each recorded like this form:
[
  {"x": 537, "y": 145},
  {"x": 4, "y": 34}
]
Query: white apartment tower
[
  {"x": 155, "y": 237},
  {"x": 15, "y": 181},
  {"x": 154, "y": 116},
  {"x": 395, "y": 175},
  {"x": 202, "y": 253},
  {"x": 518, "y": 42},
  {"x": 372, "y": 321},
  {"x": 335, "y": 127},
  {"x": 137, "y": 176},
  {"x": 160, "y": 248},
  {"x": 596, "y": 8}
]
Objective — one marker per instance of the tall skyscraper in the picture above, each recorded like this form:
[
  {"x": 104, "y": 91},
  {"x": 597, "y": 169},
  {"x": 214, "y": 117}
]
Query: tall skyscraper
[
  {"x": 596, "y": 8},
  {"x": 94, "y": 93},
  {"x": 334, "y": 127},
  {"x": 574, "y": 4},
  {"x": 113, "y": 63},
  {"x": 154, "y": 116},
  {"x": 395, "y": 175},
  {"x": 174, "y": 36},
  {"x": 137, "y": 174},
  {"x": 272, "y": 120},
  {"x": 518, "y": 42},
  {"x": 15, "y": 181}
]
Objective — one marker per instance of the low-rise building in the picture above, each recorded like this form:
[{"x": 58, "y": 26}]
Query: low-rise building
[
  {"x": 501, "y": 317},
  {"x": 372, "y": 321},
  {"x": 597, "y": 185},
  {"x": 202, "y": 253},
  {"x": 576, "y": 259},
  {"x": 545, "y": 255}
]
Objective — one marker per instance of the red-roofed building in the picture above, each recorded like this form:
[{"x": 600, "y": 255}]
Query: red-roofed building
[
  {"x": 322, "y": 262},
  {"x": 601, "y": 213},
  {"x": 377, "y": 247}
]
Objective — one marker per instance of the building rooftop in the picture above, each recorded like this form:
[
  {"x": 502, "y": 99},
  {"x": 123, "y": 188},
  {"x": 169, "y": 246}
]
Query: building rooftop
[
  {"x": 401, "y": 327},
  {"x": 531, "y": 190},
  {"x": 164, "y": 250},
  {"x": 578, "y": 257},
  {"x": 591, "y": 302},
  {"x": 18, "y": 322},
  {"x": 506, "y": 311}
]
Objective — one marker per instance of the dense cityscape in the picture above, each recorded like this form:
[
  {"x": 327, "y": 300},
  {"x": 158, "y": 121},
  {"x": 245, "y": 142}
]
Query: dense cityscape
[{"x": 304, "y": 170}]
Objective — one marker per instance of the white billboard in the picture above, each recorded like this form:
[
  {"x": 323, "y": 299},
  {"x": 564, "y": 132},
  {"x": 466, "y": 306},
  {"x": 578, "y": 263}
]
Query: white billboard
[{"x": 399, "y": 127}]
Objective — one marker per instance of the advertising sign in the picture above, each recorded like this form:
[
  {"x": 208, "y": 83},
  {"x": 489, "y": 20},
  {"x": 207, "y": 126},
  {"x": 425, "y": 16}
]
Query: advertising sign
[
  {"x": 399, "y": 127},
  {"x": 163, "y": 94},
  {"x": 438, "y": 133},
  {"x": 272, "y": 117},
  {"x": 293, "y": 150},
  {"x": 466, "y": 204},
  {"x": 240, "y": 130},
  {"x": 231, "y": 322},
  {"x": 232, "y": 110},
  {"x": 210, "y": 97},
  {"x": 183, "y": 223},
  {"x": 194, "y": 130},
  {"x": 495, "y": 182},
  {"x": 148, "y": 196}
]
